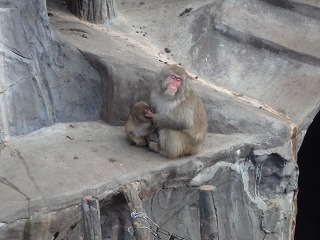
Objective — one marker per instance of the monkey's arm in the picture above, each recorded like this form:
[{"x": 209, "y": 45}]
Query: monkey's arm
[
  {"x": 165, "y": 121},
  {"x": 139, "y": 141}
]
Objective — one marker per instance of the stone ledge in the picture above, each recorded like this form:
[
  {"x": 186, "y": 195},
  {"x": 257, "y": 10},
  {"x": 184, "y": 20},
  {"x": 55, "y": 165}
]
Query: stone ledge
[{"x": 54, "y": 167}]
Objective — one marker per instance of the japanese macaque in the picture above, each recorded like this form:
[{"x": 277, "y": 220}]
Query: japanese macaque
[
  {"x": 138, "y": 125},
  {"x": 179, "y": 115}
]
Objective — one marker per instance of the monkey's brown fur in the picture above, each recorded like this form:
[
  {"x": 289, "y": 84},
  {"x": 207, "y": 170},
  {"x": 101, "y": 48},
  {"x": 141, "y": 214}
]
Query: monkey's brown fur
[
  {"x": 181, "y": 119},
  {"x": 138, "y": 126}
]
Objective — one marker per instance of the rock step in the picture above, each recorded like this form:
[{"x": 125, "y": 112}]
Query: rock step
[
  {"x": 43, "y": 187},
  {"x": 311, "y": 3},
  {"x": 71, "y": 160},
  {"x": 278, "y": 29}
]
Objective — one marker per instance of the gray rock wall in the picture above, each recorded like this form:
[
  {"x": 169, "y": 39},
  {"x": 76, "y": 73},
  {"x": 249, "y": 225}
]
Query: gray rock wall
[
  {"x": 123, "y": 85},
  {"x": 250, "y": 200},
  {"x": 97, "y": 11},
  {"x": 256, "y": 50},
  {"x": 43, "y": 79}
]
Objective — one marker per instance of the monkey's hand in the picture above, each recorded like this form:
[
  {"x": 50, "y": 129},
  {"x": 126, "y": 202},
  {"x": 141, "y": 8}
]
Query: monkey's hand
[
  {"x": 148, "y": 113},
  {"x": 154, "y": 146}
]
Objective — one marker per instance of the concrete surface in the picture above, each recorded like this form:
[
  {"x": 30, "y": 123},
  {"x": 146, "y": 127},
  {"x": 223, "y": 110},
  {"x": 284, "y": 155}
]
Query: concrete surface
[{"x": 53, "y": 168}]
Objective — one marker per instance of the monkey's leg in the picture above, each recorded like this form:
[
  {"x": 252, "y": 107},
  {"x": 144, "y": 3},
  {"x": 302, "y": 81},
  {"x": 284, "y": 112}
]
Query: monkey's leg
[
  {"x": 172, "y": 144},
  {"x": 153, "y": 137},
  {"x": 140, "y": 142},
  {"x": 154, "y": 146}
]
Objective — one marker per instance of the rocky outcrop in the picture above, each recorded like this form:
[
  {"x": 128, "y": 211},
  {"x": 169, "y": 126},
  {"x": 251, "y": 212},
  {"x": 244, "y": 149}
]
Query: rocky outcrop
[{"x": 44, "y": 80}]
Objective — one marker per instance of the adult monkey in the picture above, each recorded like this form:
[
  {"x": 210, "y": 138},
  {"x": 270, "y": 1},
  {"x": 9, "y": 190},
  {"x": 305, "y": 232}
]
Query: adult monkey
[{"x": 179, "y": 114}]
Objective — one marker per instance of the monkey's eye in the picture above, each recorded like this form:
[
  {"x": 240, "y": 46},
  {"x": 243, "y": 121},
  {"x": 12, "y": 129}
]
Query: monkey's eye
[{"x": 175, "y": 78}]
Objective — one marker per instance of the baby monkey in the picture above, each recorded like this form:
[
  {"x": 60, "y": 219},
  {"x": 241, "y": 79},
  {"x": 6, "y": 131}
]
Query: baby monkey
[{"x": 138, "y": 126}]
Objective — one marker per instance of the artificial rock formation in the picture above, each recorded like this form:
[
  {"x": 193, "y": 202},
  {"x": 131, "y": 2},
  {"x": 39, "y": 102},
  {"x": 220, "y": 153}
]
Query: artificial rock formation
[
  {"x": 97, "y": 11},
  {"x": 255, "y": 64},
  {"x": 44, "y": 79}
]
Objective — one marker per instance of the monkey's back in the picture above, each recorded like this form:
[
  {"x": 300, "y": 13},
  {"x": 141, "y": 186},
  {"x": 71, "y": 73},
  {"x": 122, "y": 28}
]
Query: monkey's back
[{"x": 136, "y": 130}]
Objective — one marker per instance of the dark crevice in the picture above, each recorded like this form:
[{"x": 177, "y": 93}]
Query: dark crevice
[
  {"x": 280, "y": 3},
  {"x": 5, "y": 181},
  {"x": 307, "y": 10},
  {"x": 56, "y": 235},
  {"x": 300, "y": 8},
  {"x": 307, "y": 226},
  {"x": 260, "y": 43}
]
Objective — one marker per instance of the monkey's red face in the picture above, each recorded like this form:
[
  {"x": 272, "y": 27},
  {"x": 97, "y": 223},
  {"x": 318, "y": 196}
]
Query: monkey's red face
[{"x": 173, "y": 84}]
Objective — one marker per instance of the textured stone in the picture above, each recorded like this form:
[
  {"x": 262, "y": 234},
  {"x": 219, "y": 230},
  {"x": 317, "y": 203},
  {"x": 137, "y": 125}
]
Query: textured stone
[
  {"x": 43, "y": 79},
  {"x": 97, "y": 11},
  {"x": 53, "y": 225}
]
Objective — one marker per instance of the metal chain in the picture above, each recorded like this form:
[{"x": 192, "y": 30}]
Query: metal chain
[{"x": 158, "y": 230}]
